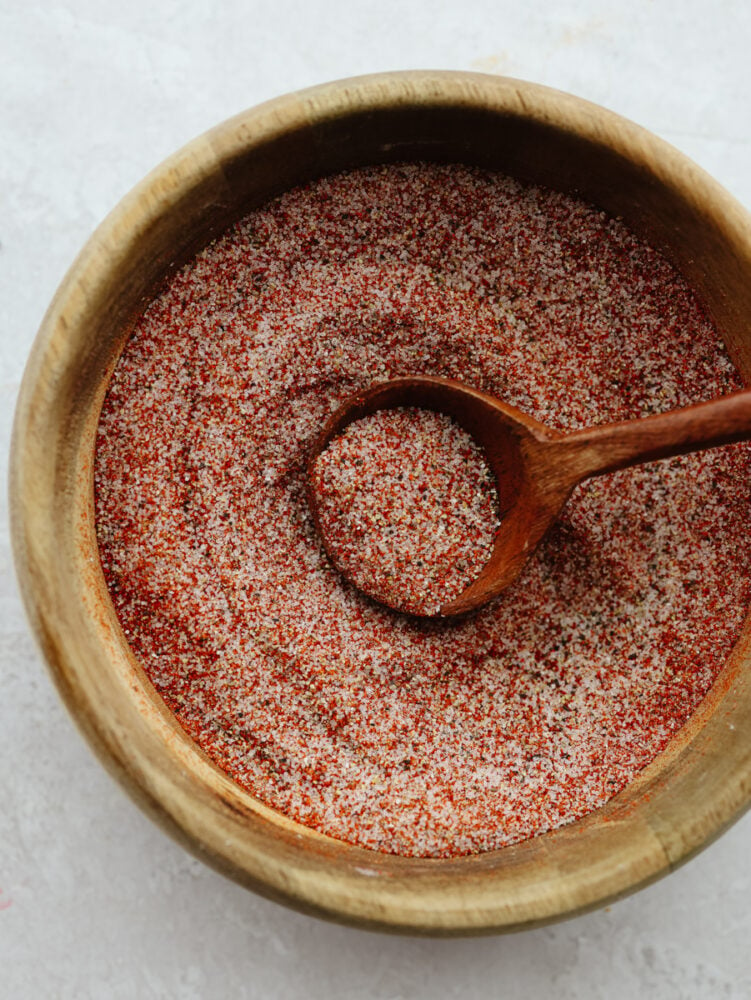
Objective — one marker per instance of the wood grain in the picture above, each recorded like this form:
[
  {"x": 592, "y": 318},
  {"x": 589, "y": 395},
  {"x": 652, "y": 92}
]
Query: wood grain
[{"x": 677, "y": 805}]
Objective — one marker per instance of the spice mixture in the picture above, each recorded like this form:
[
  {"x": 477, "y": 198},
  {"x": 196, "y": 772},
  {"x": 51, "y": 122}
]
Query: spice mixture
[
  {"x": 407, "y": 506},
  {"x": 419, "y": 736}
]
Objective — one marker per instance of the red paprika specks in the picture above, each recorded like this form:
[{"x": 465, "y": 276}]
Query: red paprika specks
[
  {"x": 408, "y": 507},
  {"x": 420, "y": 738}
]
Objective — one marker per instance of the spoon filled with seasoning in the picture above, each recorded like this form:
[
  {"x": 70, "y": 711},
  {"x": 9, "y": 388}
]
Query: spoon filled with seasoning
[{"x": 430, "y": 495}]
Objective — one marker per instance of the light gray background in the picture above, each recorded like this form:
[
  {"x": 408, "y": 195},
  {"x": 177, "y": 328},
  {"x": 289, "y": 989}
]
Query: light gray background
[{"x": 94, "y": 900}]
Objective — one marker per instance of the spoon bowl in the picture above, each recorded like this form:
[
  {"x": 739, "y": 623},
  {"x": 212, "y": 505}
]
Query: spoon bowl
[{"x": 535, "y": 467}]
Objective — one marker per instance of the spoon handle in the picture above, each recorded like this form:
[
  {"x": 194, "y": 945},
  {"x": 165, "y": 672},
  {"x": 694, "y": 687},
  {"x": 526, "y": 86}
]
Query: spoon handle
[{"x": 597, "y": 450}]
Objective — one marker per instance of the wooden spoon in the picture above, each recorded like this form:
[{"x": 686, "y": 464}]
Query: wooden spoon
[{"x": 535, "y": 467}]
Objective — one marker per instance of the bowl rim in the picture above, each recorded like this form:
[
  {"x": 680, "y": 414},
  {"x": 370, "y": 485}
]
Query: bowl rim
[{"x": 633, "y": 840}]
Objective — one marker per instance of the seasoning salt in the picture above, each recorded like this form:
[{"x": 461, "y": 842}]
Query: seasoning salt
[
  {"x": 407, "y": 506},
  {"x": 406, "y": 735}
]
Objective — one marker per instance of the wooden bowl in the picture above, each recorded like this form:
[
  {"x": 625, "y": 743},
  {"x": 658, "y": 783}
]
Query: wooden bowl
[{"x": 684, "y": 799}]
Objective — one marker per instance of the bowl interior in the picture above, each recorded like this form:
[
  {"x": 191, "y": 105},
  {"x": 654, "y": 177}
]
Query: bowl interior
[{"x": 677, "y": 805}]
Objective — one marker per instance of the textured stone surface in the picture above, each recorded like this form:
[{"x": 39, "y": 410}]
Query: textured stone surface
[{"x": 94, "y": 900}]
